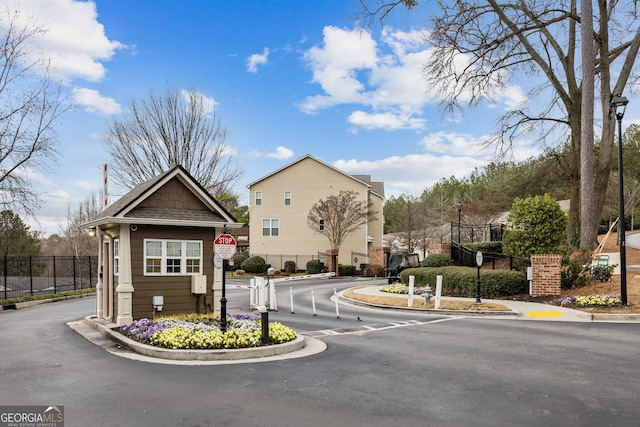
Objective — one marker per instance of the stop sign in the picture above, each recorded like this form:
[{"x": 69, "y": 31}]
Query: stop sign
[{"x": 225, "y": 246}]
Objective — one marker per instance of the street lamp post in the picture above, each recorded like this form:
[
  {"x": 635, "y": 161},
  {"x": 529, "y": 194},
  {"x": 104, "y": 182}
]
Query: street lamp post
[
  {"x": 459, "y": 205},
  {"x": 619, "y": 105}
]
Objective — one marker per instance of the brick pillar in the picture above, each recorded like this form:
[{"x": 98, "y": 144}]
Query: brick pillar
[
  {"x": 440, "y": 248},
  {"x": 546, "y": 274},
  {"x": 331, "y": 260},
  {"x": 378, "y": 255}
]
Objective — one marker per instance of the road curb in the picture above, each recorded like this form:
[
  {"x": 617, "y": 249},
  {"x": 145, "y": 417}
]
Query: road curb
[
  {"x": 27, "y": 304},
  {"x": 106, "y": 329},
  {"x": 428, "y": 310}
]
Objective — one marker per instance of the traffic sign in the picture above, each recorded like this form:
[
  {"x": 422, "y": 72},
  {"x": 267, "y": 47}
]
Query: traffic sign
[{"x": 225, "y": 246}]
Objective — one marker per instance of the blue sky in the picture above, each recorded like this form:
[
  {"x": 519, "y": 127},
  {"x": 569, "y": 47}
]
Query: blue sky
[{"x": 287, "y": 78}]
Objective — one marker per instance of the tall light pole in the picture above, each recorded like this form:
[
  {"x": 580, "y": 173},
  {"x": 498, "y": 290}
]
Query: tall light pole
[
  {"x": 619, "y": 105},
  {"x": 459, "y": 205}
]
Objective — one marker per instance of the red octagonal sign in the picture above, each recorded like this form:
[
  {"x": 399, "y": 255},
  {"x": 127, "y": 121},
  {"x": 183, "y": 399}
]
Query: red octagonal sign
[{"x": 225, "y": 246}]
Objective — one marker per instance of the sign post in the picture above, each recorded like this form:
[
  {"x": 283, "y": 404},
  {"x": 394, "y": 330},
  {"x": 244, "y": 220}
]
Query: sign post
[
  {"x": 224, "y": 247},
  {"x": 479, "y": 264}
]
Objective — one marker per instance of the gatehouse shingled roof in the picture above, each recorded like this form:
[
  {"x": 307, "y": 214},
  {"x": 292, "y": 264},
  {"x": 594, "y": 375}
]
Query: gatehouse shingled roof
[{"x": 171, "y": 198}]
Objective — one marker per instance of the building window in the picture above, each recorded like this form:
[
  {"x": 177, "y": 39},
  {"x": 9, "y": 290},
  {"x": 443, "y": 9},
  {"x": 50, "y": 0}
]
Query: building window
[
  {"x": 321, "y": 225},
  {"x": 270, "y": 227},
  {"x": 172, "y": 257},
  {"x": 258, "y": 198},
  {"x": 287, "y": 198},
  {"x": 116, "y": 256}
]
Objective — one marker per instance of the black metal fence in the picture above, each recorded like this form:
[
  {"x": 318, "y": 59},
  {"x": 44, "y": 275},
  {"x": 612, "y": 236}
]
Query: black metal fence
[
  {"x": 32, "y": 275},
  {"x": 469, "y": 233},
  {"x": 496, "y": 261}
]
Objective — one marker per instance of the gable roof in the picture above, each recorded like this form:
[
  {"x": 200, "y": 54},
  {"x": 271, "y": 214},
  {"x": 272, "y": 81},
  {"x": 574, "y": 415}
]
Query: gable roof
[
  {"x": 375, "y": 187},
  {"x": 130, "y": 208}
]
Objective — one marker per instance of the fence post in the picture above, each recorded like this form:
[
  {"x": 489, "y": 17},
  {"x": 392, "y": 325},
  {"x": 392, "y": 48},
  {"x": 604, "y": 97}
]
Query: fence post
[
  {"x": 30, "y": 275},
  {"x": 55, "y": 282},
  {"x": 75, "y": 280},
  {"x": 4, "y": 273}
]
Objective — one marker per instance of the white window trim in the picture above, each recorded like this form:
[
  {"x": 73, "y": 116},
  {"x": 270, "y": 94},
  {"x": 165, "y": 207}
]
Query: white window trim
[
  {"x": 163, "y": 257},
  {"x": 287, "y": 198},
  {"x": 258, "y": 199},
  {"x": 321, "y": 225},
  {"x": 271, "y": 227}
]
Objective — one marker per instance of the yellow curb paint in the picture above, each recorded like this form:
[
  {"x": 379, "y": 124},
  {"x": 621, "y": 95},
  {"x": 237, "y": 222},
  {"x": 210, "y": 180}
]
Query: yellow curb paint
[{"x": 544, "y": 314}]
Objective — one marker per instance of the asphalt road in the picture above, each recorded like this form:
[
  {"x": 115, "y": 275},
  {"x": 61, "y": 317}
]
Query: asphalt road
[{"x": 386, "y": 369}]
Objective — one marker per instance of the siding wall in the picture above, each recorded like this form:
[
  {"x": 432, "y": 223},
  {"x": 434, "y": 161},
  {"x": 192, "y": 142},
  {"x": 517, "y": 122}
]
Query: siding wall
[
  {"x": 176, "y": 290},
  {"x": 308, "y": 181}
]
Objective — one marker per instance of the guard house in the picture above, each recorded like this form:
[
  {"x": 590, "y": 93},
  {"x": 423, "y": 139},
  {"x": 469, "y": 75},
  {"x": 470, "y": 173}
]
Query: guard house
[{"x": 157, "y": 254}]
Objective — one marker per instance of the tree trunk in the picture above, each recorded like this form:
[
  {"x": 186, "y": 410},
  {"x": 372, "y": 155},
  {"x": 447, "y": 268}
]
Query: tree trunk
[{"x": 588, "y": 222}]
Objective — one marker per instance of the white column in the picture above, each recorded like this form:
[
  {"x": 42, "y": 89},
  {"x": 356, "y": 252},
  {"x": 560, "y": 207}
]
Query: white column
[
  {"x": 99, "y": 284},
  {"x": 217, "y": 284},
  {"x": 125, "y": 287}
]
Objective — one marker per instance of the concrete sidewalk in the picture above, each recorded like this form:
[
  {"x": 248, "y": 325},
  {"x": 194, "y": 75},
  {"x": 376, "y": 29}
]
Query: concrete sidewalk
[{"x": 520, "y": 310}]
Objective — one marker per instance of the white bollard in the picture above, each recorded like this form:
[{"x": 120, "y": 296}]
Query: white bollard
[
  {"x": 253, "y": 294},
  {"x": 335, "y": 297},
  {"x": 438, "y": 292},
  {"x": 291, "y": 299},
  {"x": 411, "y": 284},
  {"x": 273, "y": 305},
  {"x": 313, "y": 302}
]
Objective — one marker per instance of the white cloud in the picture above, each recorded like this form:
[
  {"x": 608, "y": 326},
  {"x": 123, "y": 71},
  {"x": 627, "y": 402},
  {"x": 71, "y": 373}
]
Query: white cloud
[
  {"x": 91, "y": 101},
  {"x": 281, "y": 153},
  {"x": 75, "y": 41},
  {"x": 209, "y": 104},
  {"x": 412, "y": 173},
  {"x": 88, "y": 185},
  {"x": 384, "y": 78},
  {"x": 387, "y": 121},
  {"x": 453, "y": 143},
  {"x": 257, "y": 59}
]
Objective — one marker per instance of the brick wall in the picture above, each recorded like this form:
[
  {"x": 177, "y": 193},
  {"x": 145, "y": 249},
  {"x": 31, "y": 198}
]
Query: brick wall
[
  {"x": 331, "y": 259},
  {"x": 378, "y": 256},
  {"x": 439, "y": 248},
  {"x": 546, "y": 274}
]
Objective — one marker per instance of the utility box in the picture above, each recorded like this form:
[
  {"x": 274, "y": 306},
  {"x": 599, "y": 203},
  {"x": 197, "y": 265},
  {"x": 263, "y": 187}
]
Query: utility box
[{"x": 199, "y": 284}]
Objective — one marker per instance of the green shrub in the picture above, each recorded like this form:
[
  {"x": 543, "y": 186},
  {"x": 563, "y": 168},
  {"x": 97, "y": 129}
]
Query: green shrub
[
  {"x": 314, "y": 266},
  {"x": 493, "y": 247},
  {"x": 374, "y": 270},
  {"x": 289, "y": 267},
  {"x": 573, "y": 275},
  {"x": 603, "y": 273},
  {"x": 238, "y": 260},
  {"x": 461, "y": 281},
  {"x": 255, "y": 264},
  {"x": 346, "y": 270},
  {"x": 437, "y": 260}
]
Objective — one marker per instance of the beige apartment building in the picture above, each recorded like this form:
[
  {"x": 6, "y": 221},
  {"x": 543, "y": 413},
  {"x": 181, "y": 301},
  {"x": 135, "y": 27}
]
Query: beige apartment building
[{"x": 280, "y": 203}]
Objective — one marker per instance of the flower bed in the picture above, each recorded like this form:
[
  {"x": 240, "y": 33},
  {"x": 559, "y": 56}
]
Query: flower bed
[
  {"x": 590, "y": 301},
  {"x": 195, "y": 331},
  {"x": 402, "y": 289}
]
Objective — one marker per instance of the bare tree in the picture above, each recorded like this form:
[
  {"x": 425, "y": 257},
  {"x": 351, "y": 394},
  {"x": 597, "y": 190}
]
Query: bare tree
[
  {"x": 75, "y": 240},
  {"x": 479, "y": 46},
  {"x": 341, "y": 215},
  {"x": 169, "y": 129},
  {"x": 410, "y": 221},
  {"x": 30, "y": 104}
]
